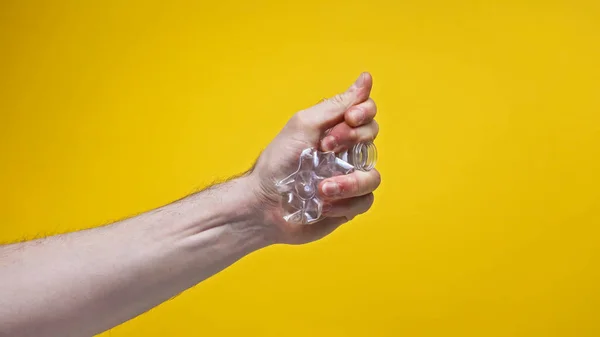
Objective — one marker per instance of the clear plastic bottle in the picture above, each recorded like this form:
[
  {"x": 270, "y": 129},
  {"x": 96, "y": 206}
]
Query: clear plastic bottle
[{"x": 300, "y": 199}]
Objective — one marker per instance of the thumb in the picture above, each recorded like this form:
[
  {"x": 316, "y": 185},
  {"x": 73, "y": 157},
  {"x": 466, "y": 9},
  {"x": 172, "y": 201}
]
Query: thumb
[{"x": 331, "y": 111}]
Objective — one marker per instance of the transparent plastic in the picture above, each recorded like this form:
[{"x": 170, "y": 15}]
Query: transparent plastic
[{"x": 300, "y": 201}]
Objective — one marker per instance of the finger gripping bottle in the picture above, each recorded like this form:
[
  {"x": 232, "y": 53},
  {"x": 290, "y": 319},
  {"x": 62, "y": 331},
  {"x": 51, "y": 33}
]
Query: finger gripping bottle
[{"x": 300, "y": 199}]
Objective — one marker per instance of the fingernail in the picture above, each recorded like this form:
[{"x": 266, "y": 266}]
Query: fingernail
[
  {"x": 357, "y": 115},
  {"x": 331, "y": 188},
  {"x": 329, "y": 143},
  {"x": 360, "y": 80}
]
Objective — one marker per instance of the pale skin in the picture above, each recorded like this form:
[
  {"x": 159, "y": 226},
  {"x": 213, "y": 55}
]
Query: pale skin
[{"x": 83, "y": 283}]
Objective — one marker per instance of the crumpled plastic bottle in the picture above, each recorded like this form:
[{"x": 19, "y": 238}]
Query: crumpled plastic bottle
[{"x": 300, "y": 199}]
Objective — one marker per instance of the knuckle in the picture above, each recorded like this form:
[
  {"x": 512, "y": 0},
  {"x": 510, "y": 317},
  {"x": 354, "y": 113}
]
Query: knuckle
[
  {"x": 368, "y": 132},
  {"x": 301, "y": 120},
  {"x": 371, "y": 106},
  {"x": 374, "y": 128},
  {"x": 365, "y": 203},
  {"x": 370, "y": 199},
  {"x": 376, "y": 178}
]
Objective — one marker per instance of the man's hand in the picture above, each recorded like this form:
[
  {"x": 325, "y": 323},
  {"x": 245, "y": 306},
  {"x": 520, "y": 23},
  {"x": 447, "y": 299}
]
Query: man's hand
[{"x": 332, "y": 125}]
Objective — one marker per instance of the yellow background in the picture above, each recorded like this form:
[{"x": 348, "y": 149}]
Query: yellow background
[{"x": 486, "y": 223}]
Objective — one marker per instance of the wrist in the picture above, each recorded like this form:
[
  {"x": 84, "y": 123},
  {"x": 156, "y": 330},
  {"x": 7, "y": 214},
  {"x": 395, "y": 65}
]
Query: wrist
[
  {"x": 234, "y": 208},
  {"x": 245, "y": 211}
]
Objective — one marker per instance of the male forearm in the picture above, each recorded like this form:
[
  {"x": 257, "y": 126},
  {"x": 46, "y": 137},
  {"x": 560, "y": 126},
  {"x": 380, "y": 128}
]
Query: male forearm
[{"x": 86, "y": 282}]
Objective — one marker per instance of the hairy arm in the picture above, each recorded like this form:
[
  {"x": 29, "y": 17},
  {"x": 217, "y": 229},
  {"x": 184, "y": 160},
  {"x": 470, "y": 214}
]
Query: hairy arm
[{"x": 82, "y": 283}]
